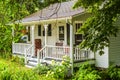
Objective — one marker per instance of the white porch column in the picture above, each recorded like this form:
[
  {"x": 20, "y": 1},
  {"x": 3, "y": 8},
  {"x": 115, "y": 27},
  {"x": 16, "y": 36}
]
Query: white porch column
[
  {"x": 12, "y": 40},
  {"x": 45, "y": 26},
  {"x": 65, "y": 35},
  {"x": 33, "y": 39},
  {"x": 71, "y": 46}
]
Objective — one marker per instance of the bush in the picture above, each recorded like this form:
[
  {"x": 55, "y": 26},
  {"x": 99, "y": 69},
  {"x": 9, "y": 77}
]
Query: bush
[
  {"x": 12, "y": 74},
  {"x": 41, "y": 69},
  {"x": 59, "y": 70},
  {"x": 18, "y": 60},
  {"x": 5, "y": 55},
  {"x": 114, "y": 72},
  {"x": 87, "y": 72}
]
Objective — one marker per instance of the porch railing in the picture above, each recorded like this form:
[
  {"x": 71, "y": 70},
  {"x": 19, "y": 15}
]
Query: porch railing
[
  {"x": 28, "y": 53},
  {"x": 57, "y": 52},
  {"x": 20, "y": 48},
  {"x": 81, "y": 54},
  {"x": 54, "y": 52}
]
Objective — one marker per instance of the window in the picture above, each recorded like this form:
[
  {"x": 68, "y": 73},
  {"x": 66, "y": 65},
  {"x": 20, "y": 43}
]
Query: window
[
  {"x": 61, "y": 32},
  {"x": 78, "y": 36},
  {"x": 28, "y": 33},
  {"x": 49, "y": 31},
  {"x": 39, "y": 30},
  {"x": 78, "y": 25}
]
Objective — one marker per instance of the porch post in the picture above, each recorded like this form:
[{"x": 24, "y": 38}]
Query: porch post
[
  {"x": 33, "y": 40},
  {"x": 12, "y": 40},
  {"x": 71, "y": 47},
  {"x": 45, "y": 26}
]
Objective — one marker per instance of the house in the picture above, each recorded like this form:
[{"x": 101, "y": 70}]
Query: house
[{"x": 52, "y": 33}]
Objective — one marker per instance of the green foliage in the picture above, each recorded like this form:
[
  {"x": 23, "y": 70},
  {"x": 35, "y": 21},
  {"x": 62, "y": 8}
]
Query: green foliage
[
  {"x": 59, "y": 70},
  {"x": 10, "y": 71},
  {"x": 12, "y": 11},
  {"x": 87, "y": 72},
  {"x": 18, "y": 32},
  {"x": 5, "y": 39},
  {"x": 114, "y": 72},
  {"x": 6, "y": 55},
  {"x": 99, "y": 27},
  {"x": 41, "y": 69},
  {"x": 11, "y": 74},
  {"x": 18, "y": 60}
]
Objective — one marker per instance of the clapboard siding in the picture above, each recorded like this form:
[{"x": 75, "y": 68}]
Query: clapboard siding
[
  {"x": 114, "y": 49},
  {"x": 103, "y": 60}
]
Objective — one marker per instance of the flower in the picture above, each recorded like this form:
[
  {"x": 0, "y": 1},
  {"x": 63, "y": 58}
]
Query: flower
[
  {"x": 63, "y": 62},
  {"x": 60, "y": 70},
  {"x": 53, "y": 62}
]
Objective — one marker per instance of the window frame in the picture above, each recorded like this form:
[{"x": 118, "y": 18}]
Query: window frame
[
  {"x": 78, "y": 36},
  {"x": 39, "y": 30},
  {"x": 61, "y": 34},
  {"x": 49, "y": 30}
]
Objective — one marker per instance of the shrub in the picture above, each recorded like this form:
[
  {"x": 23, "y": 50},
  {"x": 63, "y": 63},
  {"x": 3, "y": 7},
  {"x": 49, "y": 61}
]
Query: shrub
[
  {"x": 6, "y": 55},
  {"x": 41, "y": 69},
  {"x": 59, "y": 70},
  {"x": 87, "y": 72},
  {"x": 12, "y": 74},
  {"x": 18, "y": 60},
  {"x": 114, "y": 72},
  {"x": 6, "y": 74}
]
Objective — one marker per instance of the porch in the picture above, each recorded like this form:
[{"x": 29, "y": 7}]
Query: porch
[
  {"x": 53, "y": 42},
  {"x": 49, "y": 52}
]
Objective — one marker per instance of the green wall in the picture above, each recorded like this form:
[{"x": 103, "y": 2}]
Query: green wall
[{"x": 114, "y": 49}]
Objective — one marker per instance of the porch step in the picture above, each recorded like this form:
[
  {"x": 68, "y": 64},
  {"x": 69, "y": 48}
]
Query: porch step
[
  {"x": 32, "y": 62},
  {"x": 55, "y": 59},
  {"x": 48, "y": 60},
  {"x": 29, "y": 66}
]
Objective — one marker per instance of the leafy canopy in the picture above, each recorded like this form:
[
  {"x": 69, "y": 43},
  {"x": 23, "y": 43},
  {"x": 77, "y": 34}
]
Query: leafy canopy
[
  {"x": 13, "y": 10},
  {"x": 100, "y": 26}
]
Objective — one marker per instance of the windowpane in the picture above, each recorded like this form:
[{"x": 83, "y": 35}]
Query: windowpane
[
  {"x": 49, "y": 30},
  {"x": 78, "y": 36},
  {"x": 61, "y": 32},
  {"x": 39, "y": 30},
  {"x": 28, "y": 33}
]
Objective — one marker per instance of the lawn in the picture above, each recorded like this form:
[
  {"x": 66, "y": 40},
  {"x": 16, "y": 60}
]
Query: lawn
[{"x": 11, "y": 70}]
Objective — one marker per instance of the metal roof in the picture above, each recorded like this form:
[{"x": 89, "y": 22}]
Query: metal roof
[{"x": 54, "y": 11}]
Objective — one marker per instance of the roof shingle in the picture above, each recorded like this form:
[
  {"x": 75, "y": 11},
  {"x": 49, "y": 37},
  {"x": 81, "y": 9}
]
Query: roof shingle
[{"x": 58, "y": 10}]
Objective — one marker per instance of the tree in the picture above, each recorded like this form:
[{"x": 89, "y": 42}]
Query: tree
[
  {"x": 13, "y": 10},
  {"x": 100, "y": 26}
]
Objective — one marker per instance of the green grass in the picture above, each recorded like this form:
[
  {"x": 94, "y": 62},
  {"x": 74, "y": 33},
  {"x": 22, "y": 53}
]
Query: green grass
[{"x": 13, "y": 66}]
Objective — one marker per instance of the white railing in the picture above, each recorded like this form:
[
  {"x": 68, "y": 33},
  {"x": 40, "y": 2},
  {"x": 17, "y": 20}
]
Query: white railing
[
  {"x": 29, "y": 53},
  {"x": 80, "y": 54},
  {"x": 20, "y": 48},
  {"x": 54, "y": 52},
  {"x": 41, "y": 54},
  {"x": 57, "y": 52}
]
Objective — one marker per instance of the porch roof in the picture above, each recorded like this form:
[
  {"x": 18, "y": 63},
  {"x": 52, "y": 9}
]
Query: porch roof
[{"x": 55, "y": 11}]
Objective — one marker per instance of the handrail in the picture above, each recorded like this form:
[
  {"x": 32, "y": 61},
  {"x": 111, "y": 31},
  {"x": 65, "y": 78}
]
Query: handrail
[
  {"x": 58, "y": 46},
  {"x": 27, "y": 53},
  {"x": 23, "y": 43},
  {"x": 39, "y": 52}
]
